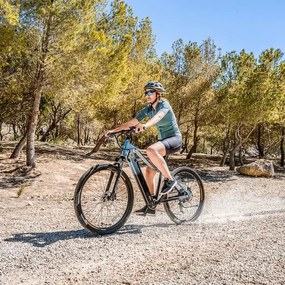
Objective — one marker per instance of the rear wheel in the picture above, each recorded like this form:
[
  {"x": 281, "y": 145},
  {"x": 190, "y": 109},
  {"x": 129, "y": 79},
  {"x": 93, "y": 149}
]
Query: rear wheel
[
  {"x": 103, "y": 199},
  {"x": 187, "y": 207}
]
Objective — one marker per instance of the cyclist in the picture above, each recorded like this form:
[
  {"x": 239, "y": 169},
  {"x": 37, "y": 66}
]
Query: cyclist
[{"x": 160, "y": 114}]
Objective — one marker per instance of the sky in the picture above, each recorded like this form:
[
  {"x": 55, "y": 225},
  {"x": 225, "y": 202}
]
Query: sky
[{"x": 233, "y": 25}]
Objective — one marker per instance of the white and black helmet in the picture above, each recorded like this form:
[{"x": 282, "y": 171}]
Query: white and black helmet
[{"x": 157, "y": 86}]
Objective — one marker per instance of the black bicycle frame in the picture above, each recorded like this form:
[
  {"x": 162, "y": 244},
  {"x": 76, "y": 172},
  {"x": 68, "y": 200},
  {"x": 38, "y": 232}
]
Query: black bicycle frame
[{"x": 130, "y": 154}]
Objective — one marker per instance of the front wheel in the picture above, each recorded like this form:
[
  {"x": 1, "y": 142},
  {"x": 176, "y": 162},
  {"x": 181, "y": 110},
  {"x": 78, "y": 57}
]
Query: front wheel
[
  {"x": 103, "y": 199},
  {"x": 188, "y": 207}
]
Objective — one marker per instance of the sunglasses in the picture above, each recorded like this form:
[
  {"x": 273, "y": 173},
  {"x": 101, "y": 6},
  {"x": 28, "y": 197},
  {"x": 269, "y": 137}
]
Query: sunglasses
[{"x": 149, "y": 92}]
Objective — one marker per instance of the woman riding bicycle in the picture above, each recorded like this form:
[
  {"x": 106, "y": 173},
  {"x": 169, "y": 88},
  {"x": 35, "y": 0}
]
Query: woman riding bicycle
[{"x": 162, "y": 116}]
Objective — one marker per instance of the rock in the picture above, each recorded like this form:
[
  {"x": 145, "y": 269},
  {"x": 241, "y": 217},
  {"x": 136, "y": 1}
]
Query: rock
[{"x": 260, "y": 168}]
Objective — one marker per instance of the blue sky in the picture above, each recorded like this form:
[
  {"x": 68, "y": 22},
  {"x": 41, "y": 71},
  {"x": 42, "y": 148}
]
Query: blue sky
[{"x": 253, "y": 25}]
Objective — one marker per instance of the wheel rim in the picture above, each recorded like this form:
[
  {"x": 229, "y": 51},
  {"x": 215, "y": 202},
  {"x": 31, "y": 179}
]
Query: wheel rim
[
  {"x": 187, "y": 209},
  {"x": 98, "y": 208}
]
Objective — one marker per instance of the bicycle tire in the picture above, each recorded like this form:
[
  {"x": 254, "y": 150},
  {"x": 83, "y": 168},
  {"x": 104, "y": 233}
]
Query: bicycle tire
[
  {"x": 94, "y": 210},
  {"x": 180, "y": 211}
]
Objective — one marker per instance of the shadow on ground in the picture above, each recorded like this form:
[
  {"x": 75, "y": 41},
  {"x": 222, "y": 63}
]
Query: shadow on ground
[
  {"x": 45, "y": 239},
  {"x": 216, "y": 175},
  {"x": 16, "y": 175}
]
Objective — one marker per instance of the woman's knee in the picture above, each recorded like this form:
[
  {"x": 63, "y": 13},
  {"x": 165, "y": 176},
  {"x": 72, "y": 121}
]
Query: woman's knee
[
  {"x": 156, "y": 148},
  {"x": 151, "y": 150}
]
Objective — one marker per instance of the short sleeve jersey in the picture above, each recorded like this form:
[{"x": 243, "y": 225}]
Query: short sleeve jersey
[{"x": 167, "y": 127}]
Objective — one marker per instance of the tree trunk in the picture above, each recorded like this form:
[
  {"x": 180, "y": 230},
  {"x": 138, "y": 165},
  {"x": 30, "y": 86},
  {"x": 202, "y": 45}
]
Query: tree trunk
[
  {"x": 282, "y": 147},
  {"x": 195, "y": 139},
  {"x": 55, "y": 121},
  {"x": 116, "y": 118},
  {"x": 232, "y": 159},
  {"x": 192, "y": 150},
  {"x": 36, "y": 91},
  {"x": 185, "y": 145},
  {"x": 226, "y": 147},
  {"x": 212, "y": 148},
  {"x": 235, "y": 147},
  {"x": 224, "y": 158},
  {"x": 14, "y": 131},
  {"x": 186, "y": 140},
  {"x": 86, "y": 135},
  {"x": 179, "y": 113},
  {"x": 103, "y": 137},
  {"x": 48, "y": 132},
  {"x": 97, "y": 146},
  {"x": 240, "y": 155},
  {"x": 238, "y": 142},
  {"x": 233, "y": 153},
  {"x": 78, "y": 131},
  {"x": 19, "y": 147},
  {"x": 1, "y": 135},
  {"x": 30, "y": 149},
  {"x": 260, "y": 146}
]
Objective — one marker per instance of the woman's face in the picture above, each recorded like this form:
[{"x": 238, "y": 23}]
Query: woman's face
[{"x": 150, "y": 95}]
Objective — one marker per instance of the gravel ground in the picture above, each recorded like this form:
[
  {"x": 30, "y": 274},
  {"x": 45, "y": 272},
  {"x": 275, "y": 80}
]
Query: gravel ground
[{"x": 238, "y": 239}]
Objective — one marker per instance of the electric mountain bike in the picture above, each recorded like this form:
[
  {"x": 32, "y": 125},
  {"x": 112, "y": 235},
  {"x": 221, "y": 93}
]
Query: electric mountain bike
[{"x": 104, "y": 197}]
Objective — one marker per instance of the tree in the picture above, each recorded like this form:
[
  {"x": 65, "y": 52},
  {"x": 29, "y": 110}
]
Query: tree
[
  {"x": 191, "y": 70},
  {"x": 247, "y": 95},
  {"x": 15, "y": 70},
  {"x": 122, "y": 97},
  {"x": 62, "y": 30}
]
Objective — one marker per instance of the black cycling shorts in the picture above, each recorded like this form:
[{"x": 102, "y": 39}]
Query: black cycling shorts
[{"x": 172, "y": 144}]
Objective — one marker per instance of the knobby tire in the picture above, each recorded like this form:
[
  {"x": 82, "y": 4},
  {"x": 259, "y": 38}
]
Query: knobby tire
[
  {"x": 97, "y": 212},
  {"x": 187, "y": 209}
]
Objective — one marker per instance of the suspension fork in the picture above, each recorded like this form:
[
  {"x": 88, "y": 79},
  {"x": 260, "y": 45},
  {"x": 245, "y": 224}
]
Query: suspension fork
[{"x": 111, "y": 193}]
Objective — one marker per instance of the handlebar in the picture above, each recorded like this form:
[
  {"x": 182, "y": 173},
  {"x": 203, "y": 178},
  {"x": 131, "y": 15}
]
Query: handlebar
[{"x": 127, "y": 132}]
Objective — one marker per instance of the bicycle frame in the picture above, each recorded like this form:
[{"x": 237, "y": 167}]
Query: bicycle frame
[{"x": 130, "y": 154}]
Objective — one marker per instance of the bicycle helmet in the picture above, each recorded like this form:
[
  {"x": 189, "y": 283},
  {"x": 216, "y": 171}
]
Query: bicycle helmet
[{"x": 157, "y": 86}]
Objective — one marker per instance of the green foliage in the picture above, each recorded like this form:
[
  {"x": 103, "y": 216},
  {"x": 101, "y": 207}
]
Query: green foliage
[
  {"x": 98, "y": 56},
  {"x": 248, "y": 91},
  {"x": 9, "y": 12},
  {"x": 191, "y": 71}
]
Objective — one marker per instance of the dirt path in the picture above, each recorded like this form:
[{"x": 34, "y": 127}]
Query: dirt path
[{"x": 239, "y": 238}]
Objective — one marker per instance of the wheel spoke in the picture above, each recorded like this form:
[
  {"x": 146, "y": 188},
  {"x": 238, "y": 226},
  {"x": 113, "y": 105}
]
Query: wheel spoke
[
  {"x": 96, "y": 208},
  {"x": 190, "y": 208}
]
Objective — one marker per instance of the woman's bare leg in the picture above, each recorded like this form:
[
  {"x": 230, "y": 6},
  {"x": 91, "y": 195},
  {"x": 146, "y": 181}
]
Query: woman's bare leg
[
  {"x": 155, "y": 153},
  {"x": 149, "y": 177}
]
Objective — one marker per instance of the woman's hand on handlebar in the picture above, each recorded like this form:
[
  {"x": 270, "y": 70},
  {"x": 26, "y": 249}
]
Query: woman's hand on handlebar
[
  {"x": 108, "y": 133},
  {"x": 140, "y": 128}
]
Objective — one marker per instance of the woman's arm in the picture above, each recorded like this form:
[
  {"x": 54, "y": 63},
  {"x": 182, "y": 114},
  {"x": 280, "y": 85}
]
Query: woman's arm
[
  {"x": 125, "y": 126},
  {"x": 155, "y": 119}
]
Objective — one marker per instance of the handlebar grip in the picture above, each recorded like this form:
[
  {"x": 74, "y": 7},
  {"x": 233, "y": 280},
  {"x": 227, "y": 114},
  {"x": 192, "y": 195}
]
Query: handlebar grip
[{"x": 130, "y": 130}]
